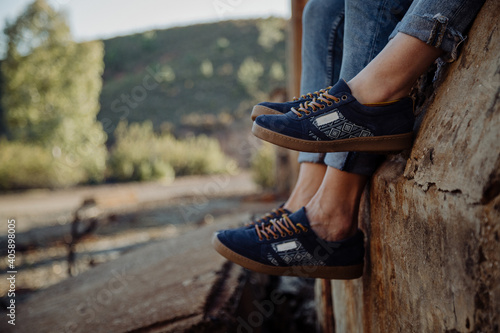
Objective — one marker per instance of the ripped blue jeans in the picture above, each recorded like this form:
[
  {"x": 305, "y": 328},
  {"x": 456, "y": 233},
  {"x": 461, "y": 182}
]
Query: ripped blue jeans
[{"x": 341, "y": 37}]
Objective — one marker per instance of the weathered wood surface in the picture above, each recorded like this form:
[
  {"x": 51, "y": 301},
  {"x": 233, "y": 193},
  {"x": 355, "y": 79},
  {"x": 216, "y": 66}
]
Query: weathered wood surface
[{"x": 170, "y": 286}]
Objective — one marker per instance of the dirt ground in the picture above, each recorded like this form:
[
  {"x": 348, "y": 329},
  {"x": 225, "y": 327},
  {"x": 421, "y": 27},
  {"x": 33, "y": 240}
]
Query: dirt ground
[{"x": 54, "y": 242}]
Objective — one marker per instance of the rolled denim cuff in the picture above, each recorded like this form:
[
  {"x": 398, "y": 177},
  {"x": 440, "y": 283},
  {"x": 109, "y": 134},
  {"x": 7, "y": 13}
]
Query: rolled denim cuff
[
  {"x": 434, "y": 30},
  {"x": 312, "y": 157},
  {"x": 360, "y": 163}
]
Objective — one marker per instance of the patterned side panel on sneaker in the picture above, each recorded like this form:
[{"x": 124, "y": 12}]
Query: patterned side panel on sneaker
[
  {"x": 293, "y": 253},
  {"x": 335, "y": 126}
]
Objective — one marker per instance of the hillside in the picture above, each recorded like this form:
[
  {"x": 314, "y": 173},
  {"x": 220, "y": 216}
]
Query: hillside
[{"x": 217, "y": 70}]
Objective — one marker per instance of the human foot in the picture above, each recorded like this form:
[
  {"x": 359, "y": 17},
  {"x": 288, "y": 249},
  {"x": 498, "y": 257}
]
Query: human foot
[
  {"x": 308, "y": 182},
  {"x": 332, "y": 224},
  {"x": 289, "y": 246},
  {"x": 336, "y": 121}
]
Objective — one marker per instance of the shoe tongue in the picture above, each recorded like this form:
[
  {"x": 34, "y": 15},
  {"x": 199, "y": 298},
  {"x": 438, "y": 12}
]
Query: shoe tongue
[
  {"x": 340, "y": 87},
  {"x": 300, "y": 217}
]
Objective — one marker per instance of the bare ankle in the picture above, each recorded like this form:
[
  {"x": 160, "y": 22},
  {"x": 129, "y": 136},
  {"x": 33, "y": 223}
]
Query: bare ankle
[
  {"x": 297, "y": 200},
  {"x": 293, "y": 206},
  {"x": 308, "y": 182},
  {"x": 332, "y": 227},
  {"x": 367, "y": 92}
]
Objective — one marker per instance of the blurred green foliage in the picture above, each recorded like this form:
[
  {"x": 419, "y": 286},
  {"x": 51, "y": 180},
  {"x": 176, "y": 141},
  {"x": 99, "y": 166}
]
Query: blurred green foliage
[
  {"x": 196, "y": 79},
  {"x": 263, "y": 166},
  {"x": 271, "y": 32},
  {"x": 50, "y": 95},
  {"x": 24, "y": 166},
  {"x": 141, "y": 154}
]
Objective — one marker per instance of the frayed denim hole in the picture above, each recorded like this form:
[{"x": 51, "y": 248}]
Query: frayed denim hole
[{"x": 438, "y": 30}]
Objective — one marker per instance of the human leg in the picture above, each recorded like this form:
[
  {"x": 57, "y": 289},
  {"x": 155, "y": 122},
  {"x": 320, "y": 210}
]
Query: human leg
[
  {"x": 322, "y": 56},
  {"x": 398, "y": 67},
  {"x": 368, "y": 25},
  {"x": 367, "y": 28},
  {"x": 286, "y": 246},
  {"x": 333, "y": 211},
  {"x": 308, "y": 182},
  {"x": 322, "y": 47},
  {"x": 307, "y": 128},
  {"x": 430, "y": 29},
  {"x": 322, "y": 44},
  {"x": 322, "y": 40}
]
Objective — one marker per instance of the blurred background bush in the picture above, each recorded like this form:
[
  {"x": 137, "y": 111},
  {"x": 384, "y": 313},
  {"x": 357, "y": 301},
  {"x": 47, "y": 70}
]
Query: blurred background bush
[
  {"x": 141, "y": 154},
  {"x": 263, "y": 166}
]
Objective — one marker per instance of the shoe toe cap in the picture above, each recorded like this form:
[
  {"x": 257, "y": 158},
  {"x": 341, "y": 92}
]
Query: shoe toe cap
[
  {"x": 243, "y": 242},
  {"x": 282, "y": 124},
  {"x": 280, "y": 107}
]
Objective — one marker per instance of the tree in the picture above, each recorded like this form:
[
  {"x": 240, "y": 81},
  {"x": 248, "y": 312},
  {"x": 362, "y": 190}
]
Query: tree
[{"x": 51, "y": 88}]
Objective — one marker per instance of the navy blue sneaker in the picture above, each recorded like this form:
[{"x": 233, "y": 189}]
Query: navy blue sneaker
[
  {"x": 280, "y": 108},
  {"x": 289, "y": 246},
  {"x": 275, "y": 214},
  {"x": 336, "y": 121}
]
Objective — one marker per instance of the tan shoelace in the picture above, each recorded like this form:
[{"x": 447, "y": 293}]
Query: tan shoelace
[
  {"x": 277, "y": 228},
  {"x": 315, "y": 104},
  {"x": 313, "y": 94}
]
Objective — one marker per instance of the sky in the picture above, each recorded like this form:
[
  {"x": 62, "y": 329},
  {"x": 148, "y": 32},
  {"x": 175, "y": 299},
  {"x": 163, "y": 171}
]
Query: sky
[{"x": 100, "y": 19}]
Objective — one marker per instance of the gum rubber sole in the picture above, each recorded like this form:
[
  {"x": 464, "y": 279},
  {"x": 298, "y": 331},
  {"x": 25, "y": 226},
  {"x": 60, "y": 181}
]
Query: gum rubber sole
[
  {"x": 380, "y": 144},
  {"x": 259, "y": 110},
  {"x": 320, "y": 272}
]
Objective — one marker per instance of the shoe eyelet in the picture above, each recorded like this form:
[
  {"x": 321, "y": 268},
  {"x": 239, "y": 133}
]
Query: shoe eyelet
[
  {"x": 276, "y": 237},
  {"x": 308, "y": 113},
  {"x": 291, "y": 233},
  {"x": 329, "y": 103},
  {"x": 344, "y": 97},
  {"x": 300, "y": 116},
  {"x": 283, "y": 235},
  {"x": 322, "y": 106}
]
